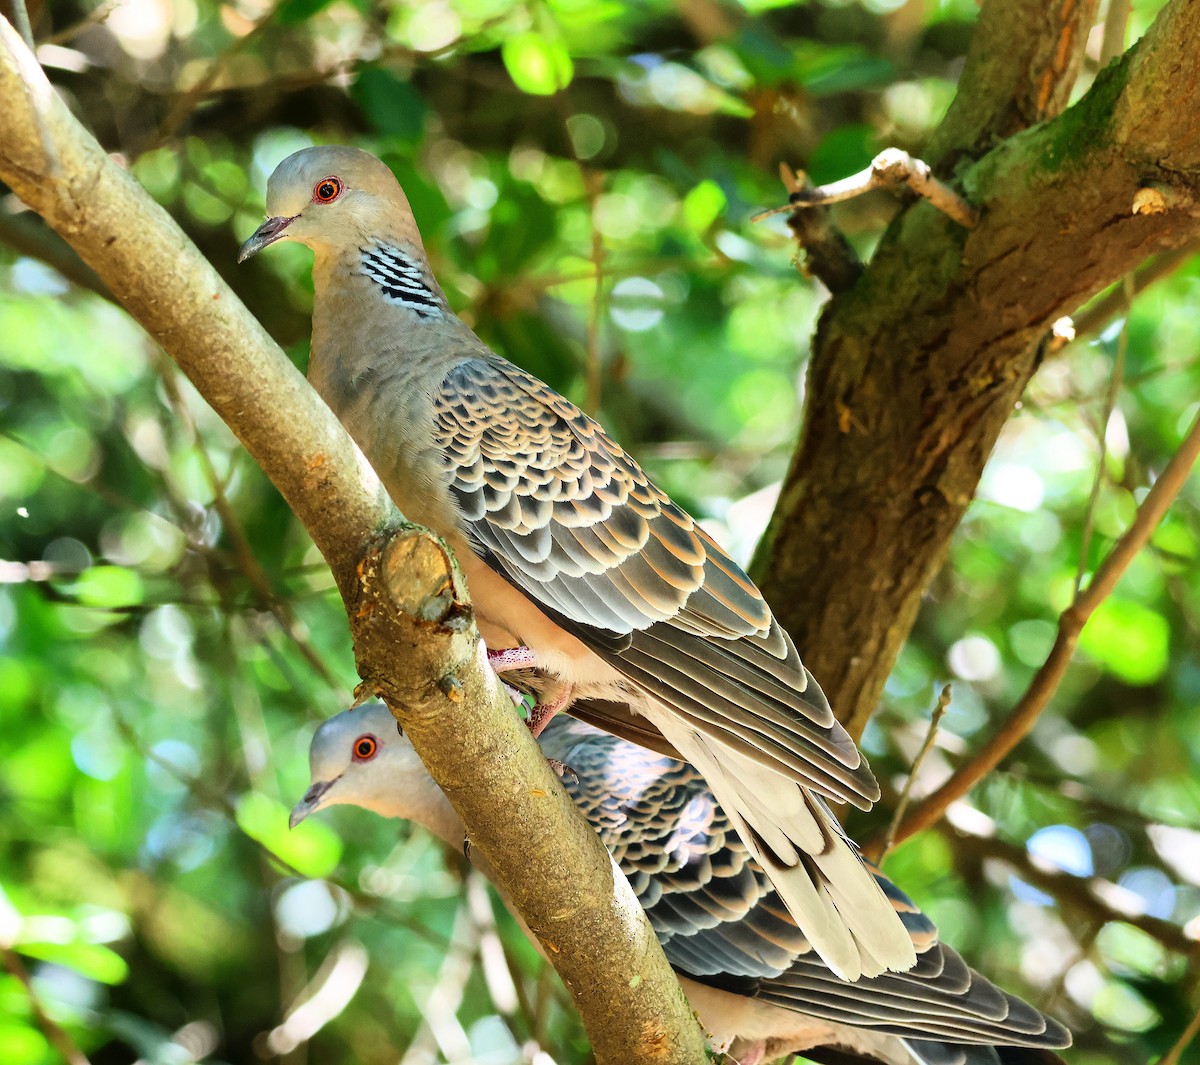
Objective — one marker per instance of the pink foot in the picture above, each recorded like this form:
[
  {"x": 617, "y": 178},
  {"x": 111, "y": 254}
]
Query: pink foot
[
  {"x": 510, "y": 658},
  {"x": 541, "y": 715}
]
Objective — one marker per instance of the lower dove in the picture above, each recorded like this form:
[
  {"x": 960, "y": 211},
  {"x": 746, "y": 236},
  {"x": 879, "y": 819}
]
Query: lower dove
[
  {"x": 749, "y": 972},
  {"x": 577, "y": 563}
]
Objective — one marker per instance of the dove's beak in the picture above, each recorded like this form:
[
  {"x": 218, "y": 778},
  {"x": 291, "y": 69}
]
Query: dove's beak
[
  {"x": 311, "y": 801},
  {"x": 269, "y": 232}
]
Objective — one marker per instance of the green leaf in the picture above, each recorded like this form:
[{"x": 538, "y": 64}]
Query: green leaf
[
  {"x": 538, "y": 66},
  {"x": 1131, "y": 640},
  {"x": 109, "y": 586},
  {"x": 92, "y": 960},
  {"x": 393, "y": 106},
  {"x": 22, "y": 1045},
  {"x": 703, "y": 205},
  {"x": 293, "y": 12},
  {"x": 312, "y": 849}
]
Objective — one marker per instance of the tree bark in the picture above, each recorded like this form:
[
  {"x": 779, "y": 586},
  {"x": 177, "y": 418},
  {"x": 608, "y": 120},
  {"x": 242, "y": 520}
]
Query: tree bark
[
  {"x": 414, "y": 634},
  {"x": 916, "y": 369}
]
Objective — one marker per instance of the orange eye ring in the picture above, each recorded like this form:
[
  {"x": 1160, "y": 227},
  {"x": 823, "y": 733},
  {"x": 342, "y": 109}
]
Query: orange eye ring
[
  {"x": 365, "y": 748},
  {"x": 327, "y": 189}
]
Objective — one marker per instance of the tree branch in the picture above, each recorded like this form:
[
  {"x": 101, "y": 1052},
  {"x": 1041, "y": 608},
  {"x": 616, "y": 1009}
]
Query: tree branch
[
  {"x": 414, "y": 633},
  {"x": 1023, "y": 61},
  {"x": 1093, "y": 897},
  {"x": 1047, "y": 679},
  {"x": 917, "y": 368}
]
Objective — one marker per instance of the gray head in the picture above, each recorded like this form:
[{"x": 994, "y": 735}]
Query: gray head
[
  {"x": 333, "y": 197},
  {"x": 360, "y": 757}
]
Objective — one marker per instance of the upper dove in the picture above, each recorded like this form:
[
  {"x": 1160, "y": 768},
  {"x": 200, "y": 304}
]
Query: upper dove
[{"x": 576, "y": 562}]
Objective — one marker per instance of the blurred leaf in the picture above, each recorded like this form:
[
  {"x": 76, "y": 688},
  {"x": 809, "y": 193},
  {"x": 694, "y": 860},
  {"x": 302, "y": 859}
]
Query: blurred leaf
[
  {"x": 1131, "y": 640},
  {"x": 393, "y": 106},
  {"x": 294, "y": 12},
  {"x": 536, "y": 64},
  {"x": 22, "y": 1044},
  {"x": 313, "y": 849},
  {"x": 108, "y": 586},
  {"x": 92, "y": 960}
]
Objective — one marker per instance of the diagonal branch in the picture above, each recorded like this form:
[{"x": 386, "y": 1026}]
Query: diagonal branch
[
  {"x": 1047, "y": 679},
  {"x": 414, "y": 633}
]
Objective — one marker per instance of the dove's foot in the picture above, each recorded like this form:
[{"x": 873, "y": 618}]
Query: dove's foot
[
  {"x": 510, "y": 658},
  {"x": 541, "y": 715}
]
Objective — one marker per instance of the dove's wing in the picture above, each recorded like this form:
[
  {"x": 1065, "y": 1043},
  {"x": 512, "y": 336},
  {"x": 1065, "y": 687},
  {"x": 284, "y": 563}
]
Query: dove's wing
[{"x": 559, "y": 509}]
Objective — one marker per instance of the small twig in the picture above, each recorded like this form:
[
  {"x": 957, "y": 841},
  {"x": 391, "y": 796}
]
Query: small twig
[
  {"x": 1047, "y": 679},
  {"x": 1097, "y": 314},
  {"x": 594, "y": 183},
  {"x": 243, "y": 553},
  {"x": 1173, "y": 1056},
  {"x": 193, "y": 97},
  {"x": 1116, "y": 379},
  {"x": 93, "y": 17},
  {"x": 1093, "y": 897},
  {"x": 829, "y": 256},
  {"x": 889, "y": 168},
  {"x": 877, "y": 855},
  {"x": 20, "y": 21},
  {"x": 57, "y": 1037},
  {"x": 1116, "y": 24}
]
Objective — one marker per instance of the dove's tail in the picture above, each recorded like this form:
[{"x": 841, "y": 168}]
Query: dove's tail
[{"x": 828, "y": 889}]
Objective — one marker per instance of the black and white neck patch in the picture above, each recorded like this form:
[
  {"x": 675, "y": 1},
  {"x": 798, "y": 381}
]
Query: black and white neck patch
[{"x": 400, "y": 279}]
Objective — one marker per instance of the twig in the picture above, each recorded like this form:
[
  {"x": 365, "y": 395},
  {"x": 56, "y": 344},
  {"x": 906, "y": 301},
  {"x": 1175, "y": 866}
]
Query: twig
[
  {"x": 57, "y": 1037},
  {"x": 1110, "y": 402},
  {"x": 1094, "y": 897},
  {"x": 1047, "y": 679},
  {"x": 1097, "y": 314},
  {"x": 243, "y": 553},
  {"x": 1173, "y": 1056},
  {"x": 889, "y": 168},
  {"x": 39, "y": 241},
  {"x": 1116, "y": 23},
  {"x": 594, "y": 183},
  {"x": 829, "y": 256},
  {"x": 877, "y": 855},
  {"x": 190, "y": 100},
  {"x": 20, "y": 20}
]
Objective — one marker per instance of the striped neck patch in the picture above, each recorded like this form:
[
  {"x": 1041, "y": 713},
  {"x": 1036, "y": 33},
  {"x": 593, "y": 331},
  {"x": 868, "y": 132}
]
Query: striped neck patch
[{"x": 400, "y": 279}]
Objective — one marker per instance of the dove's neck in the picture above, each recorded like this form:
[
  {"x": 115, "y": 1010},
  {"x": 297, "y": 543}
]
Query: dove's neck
[{"x": 416, "y": 797}]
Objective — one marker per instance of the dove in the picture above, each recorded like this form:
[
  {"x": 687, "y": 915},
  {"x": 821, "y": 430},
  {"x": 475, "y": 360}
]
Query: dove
[
  {"x": 747, "y": 969},
  {"x": 577, "y": 564}
]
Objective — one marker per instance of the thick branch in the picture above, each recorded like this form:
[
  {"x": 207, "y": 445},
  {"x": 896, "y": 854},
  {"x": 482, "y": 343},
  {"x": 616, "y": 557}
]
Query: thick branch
[
  {"x": 414, "y": 635},
  {"x": 1023, "y": 60},
  {"x": 915, "y": 371}
]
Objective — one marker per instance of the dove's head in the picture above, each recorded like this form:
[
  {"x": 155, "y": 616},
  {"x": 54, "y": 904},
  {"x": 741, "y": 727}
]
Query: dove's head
[
  {"x": 360, "y": 757},
  {"x": 332, "y": 197}
]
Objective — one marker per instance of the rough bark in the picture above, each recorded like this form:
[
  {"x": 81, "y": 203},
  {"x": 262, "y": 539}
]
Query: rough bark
[
  {"x": 916, "y": 369},
  {"x": 415, "y": 638},
  {"x": 1023, "y": 60}
]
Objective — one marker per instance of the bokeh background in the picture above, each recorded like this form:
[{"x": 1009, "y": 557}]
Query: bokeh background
[{"x": 584, "y": 172}]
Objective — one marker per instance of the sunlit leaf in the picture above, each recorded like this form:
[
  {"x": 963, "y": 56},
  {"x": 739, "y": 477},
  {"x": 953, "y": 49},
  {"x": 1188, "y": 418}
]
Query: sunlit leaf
[
  {"x": 313, "y": 849},
  {"x": 92, "y": 960},
  {"x": 108, "y": 586},
  {"x": 1131, "y": 640},
  {"x": 536, "y": 64}
]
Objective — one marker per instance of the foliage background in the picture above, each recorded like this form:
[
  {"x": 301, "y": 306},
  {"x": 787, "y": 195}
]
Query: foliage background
[{"x": 170, "y": 638}]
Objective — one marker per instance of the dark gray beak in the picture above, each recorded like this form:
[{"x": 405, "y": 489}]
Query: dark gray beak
[
  {"x": 269, "y": 232},
  {"x": 310, "y": 802}
]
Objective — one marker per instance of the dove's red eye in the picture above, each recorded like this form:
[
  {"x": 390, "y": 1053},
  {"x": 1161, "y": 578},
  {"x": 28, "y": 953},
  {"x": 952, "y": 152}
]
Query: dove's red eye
[
  {"x": 365, "y": 748},
  {"x": 327, "y": 190}
]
